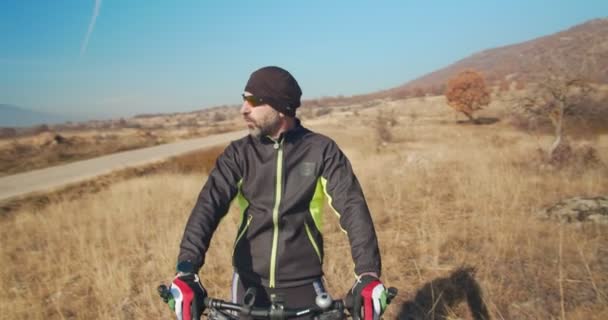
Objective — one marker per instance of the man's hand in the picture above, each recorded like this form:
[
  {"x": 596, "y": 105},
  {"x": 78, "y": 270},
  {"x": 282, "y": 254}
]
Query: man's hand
[
  {"x": 368, "y": 294},
  {"x": 188, "y": 294}
]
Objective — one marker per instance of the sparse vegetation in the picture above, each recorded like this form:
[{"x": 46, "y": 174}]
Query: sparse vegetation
[
  {"x": 43, "y": 146},
  {"x": 323, "y": 111},
  {"x": 579, "y": 156},
  {"x": 383, "y": 124},
  {"x": 419, "y": 93},
  {"x": 456, "y": 196},
  {"x": 218, "y": 117},
  {"x": 554, "y": 97},
  {"x": 8, "y": 133}
]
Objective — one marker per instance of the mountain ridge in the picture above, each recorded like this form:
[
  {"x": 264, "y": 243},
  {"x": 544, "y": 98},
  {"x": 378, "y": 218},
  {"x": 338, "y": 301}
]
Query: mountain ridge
[
  {"x": 16, "y": 116},
  {"x": 580, "y": 50}
]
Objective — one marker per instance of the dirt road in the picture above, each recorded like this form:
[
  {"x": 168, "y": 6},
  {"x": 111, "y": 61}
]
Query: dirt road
[{"x": 45, "y": 179}]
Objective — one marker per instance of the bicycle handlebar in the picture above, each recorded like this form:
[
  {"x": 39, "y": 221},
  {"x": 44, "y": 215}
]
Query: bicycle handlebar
[
  {"x": 275, "y": 311},
  {"x": 325, "y": 307}
]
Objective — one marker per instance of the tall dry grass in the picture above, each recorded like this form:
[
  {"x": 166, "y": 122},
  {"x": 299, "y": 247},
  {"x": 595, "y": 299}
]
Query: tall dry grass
[
  {"x": 97, "y": 257},
  {"x": 455, "y": 195}
]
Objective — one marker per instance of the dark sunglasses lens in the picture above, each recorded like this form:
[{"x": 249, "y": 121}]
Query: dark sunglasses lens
[{"x": 253, "y": 101}]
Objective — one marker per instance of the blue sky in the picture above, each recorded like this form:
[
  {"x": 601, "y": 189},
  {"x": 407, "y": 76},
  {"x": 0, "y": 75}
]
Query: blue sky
[{"x": 143, "y": 56}]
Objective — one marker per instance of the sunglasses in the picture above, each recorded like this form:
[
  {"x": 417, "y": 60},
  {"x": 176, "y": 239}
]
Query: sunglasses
[{"x": 253, "y": 100}]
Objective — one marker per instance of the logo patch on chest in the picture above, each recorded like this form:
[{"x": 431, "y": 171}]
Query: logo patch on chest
[{"x": 307, "y": 169}]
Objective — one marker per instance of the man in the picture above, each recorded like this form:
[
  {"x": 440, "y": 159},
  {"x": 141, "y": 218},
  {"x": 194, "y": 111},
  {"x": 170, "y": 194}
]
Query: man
[{"x": 279, "y": 175}]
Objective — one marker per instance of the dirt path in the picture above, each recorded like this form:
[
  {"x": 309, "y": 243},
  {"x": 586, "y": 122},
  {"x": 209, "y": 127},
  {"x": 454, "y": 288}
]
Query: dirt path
[{"x": 45, "y": 179}]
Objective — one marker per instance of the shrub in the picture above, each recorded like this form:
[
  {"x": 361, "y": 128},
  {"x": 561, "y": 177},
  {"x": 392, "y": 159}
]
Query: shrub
[
  {"x": 8, "y": 132},
  {"x": 323, "y": 111},
  {"x": 218, "y": 117}
]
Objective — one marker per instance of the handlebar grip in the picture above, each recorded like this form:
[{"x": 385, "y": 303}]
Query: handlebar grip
[{"x": 164, "y": 292}]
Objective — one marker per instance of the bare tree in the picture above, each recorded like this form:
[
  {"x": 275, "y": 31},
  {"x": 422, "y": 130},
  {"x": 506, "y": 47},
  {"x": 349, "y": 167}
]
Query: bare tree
[
  {"x": 467, "y": 92},
  {"x": 384, "y": 122},
  {"x": 554, "y": 97}
]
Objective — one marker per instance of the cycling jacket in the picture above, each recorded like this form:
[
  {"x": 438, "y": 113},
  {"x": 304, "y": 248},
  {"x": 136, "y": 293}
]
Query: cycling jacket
[{"x": 280, "y": 187}]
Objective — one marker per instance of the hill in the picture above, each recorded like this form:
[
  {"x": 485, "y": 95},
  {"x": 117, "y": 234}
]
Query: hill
[
  {"x": 581, "y": 50},
  {"x": 14, "y": 116}
]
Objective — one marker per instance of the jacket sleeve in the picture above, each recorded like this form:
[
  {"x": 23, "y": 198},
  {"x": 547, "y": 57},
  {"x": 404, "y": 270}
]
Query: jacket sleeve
[
  {"x": 211, "y": 206},
  {"x": 347, "y": 200}
]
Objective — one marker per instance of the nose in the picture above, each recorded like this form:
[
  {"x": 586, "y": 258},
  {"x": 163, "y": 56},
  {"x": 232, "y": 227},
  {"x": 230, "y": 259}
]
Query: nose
[{"x": 245, "y": 108}]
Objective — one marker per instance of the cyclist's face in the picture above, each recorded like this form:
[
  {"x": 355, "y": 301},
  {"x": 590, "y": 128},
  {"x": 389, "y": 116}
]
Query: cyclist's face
[{"x": 262, "y": 120}]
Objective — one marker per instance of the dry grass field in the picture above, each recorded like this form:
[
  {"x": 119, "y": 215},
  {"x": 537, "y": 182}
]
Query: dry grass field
[{"x": 443, "y": 195}]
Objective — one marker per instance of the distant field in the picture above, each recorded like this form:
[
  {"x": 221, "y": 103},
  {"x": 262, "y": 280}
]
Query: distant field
[
  {"x": 60, "y": 145},
  {"x": 443, "y": 194}
]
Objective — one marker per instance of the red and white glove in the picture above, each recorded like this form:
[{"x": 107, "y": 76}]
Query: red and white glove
[
  {"x": 188, "y": 295},
  {"x": 369, "y": 298}
]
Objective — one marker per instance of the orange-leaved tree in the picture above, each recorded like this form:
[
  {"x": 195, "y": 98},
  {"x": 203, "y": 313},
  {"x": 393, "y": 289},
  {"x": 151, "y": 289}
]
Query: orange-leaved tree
[{"x": 467, "y": 92}]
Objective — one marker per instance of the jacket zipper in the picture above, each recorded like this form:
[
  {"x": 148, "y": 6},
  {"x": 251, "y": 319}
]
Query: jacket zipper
[
  {"x": 278, "y": 145},
  {"x": 312, "y": 241},
  {"x": 249, "y": 218}
]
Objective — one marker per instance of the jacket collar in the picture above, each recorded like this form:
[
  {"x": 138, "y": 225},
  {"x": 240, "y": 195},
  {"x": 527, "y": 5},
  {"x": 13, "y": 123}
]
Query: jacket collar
[{"x": 288, "y": 136}]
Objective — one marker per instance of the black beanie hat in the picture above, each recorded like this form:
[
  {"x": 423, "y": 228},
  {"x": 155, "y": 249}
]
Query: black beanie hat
[{"x": 277, "y": 87}]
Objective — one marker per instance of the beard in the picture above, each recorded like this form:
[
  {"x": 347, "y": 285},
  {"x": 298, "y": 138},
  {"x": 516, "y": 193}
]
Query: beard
[{"x": 266, "y": 125}]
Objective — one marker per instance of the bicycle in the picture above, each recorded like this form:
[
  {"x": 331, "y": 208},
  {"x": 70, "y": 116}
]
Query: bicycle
[{"x": 325, "y": 309}]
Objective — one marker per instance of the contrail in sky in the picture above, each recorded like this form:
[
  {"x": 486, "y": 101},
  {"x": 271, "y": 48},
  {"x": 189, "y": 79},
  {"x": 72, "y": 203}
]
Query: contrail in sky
[{"x": 85, "y": 43}]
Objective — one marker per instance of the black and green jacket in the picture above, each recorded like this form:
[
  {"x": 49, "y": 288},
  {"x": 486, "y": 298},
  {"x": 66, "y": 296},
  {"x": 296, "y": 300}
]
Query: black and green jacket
[{"x": 280, "y": 187}]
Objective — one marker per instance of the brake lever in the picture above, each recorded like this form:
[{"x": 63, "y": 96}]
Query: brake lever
[{"x": 391, "y": 293}]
